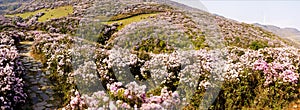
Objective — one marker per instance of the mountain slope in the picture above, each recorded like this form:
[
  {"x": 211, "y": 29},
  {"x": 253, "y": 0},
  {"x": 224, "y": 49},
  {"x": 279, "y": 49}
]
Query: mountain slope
[
  {"x": 290, "y": 33},
  {"x": 155, "y": 54},
  {"x": 11, "y": 5}
]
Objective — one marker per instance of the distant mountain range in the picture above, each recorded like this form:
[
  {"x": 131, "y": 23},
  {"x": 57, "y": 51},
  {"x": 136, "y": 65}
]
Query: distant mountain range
[
  {"x": 290, "y": 33},
  {"x": 10, "y": 5}
]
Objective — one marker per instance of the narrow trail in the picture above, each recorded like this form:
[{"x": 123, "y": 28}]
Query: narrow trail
[{"x": 39, "y": 87}]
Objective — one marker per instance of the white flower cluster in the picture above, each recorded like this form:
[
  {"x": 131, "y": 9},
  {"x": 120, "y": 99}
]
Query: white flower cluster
[
  {"x": 131, "y": 93},
  {"x": 97, "y": 100},
  {"x": 192, "y": 65},
  {"x": 71, "y": 59},
  {"x": 188, "y": 70},
  {"x": 86, "y": 78},
  {"x": 76, "y": 103},
  {"x": 166, "y": 100},
  {"x": 238, "y": 60},
  {"x": 6, "y": 40},
  {"x": 12, "y": 92},
  {"x": 55, "y": 47}
]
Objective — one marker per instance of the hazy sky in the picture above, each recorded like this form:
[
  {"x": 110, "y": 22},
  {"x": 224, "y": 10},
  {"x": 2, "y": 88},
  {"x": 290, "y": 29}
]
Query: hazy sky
[{"x": 270, "y": 12}]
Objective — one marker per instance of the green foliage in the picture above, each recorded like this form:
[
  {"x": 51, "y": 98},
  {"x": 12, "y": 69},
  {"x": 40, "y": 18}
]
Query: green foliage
[
  {"x": 95, "y": 32},
  {"x": 120, "y": 96},
  {"x": 49, "y": 13},
  {"x": 249, "y": 92},
  {"x": 239, "y": 52},
  {"x": 153, "y": 45},
  {"x": 269, "y": 59},
  {"x": 197, "y": 38},
  {"x": 237, "y": 39},
  {"x": 130, "y": 20},
  {"x": 239, "y": 93},
  {"x": 156, "y": 8},
  {"x": 199, "y": 42},
  {"x": 103, "y": 37},
  {"x": 255, "y": 45},
  {"x": 63, "y": 85},
  {"x": 154, "y": 92}
]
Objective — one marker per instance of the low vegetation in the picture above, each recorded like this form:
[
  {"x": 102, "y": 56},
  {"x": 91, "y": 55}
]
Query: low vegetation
[
  {"x": 130, "y": 20},
  {"x": 49, "y": 13},
  {"x": 156, "y": 60}
]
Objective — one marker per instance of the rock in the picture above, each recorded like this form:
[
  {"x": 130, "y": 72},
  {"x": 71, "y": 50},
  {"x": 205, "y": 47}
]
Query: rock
[
  {"x": 35, "y": 88},
  {"x": 33, "y": 70},
  {"x": 38, "y": 75},
  {"x": 42, "y": 81},
  {"x": 51, "y": 98},
  {"x": 31, "y": 80},
  {"x": 49, "y": 91},
  {"x": 41, "y": 103},
  {"x": 33, "y": 95},
  {"x": 39, "y": 108},
  {"x": 34, "y": 100},
  {"x": 26, "y": 64},
  {"x": 49, "y": 105},
  {"x": 45, "y": 96},
  {"x": 34, "y": 83}
]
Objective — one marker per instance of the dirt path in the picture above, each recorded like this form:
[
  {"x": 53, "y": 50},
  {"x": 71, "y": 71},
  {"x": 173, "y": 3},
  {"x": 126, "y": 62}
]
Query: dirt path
[{"x": 39, "y": 88}]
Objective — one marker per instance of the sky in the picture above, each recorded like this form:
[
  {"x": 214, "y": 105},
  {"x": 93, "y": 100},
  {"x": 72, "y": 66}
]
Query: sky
[{"x": 268, "y": 12}]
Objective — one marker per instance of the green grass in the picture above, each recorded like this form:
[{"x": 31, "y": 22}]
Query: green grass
[
  {"x": 49, "y": 13},
  {"x": 130, "y": 20},
  {"x": 255, "y": 45}
]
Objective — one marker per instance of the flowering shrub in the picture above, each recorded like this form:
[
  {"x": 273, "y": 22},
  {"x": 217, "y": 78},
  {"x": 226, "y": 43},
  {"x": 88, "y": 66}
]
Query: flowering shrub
[
  {"x": 12, "y": 94},
  {"x": 275, "y": 71},
  {"x": 245, "y": 77},
  {"x": 86, "y": 78},
  {"x": 55, "y": 49},
  {"x": 247, "y": 35},
  {"x": 130, "y": 96},
  {"x": 266, "y": 78},
  {"x": 76, "y": 102},
  {"x": 166, "y": 62}
]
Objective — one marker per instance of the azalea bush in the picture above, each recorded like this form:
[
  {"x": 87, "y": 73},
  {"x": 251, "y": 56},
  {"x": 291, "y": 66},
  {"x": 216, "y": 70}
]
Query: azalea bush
[
  {"x": 12, "y": 94},
  {"x": 168, "y": 62},
  {"x": 239, "y": 77},
  {"x": 258, "y": 82},
  {"x": 57, "y": 59}
]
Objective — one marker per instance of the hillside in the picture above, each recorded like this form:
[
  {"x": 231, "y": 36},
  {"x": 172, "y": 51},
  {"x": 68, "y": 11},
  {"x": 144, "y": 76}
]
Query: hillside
[
  {"x": 146, "y": 54},
  {"x": 7, "y": 6},
  {"x": 289, "y": 33}
]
